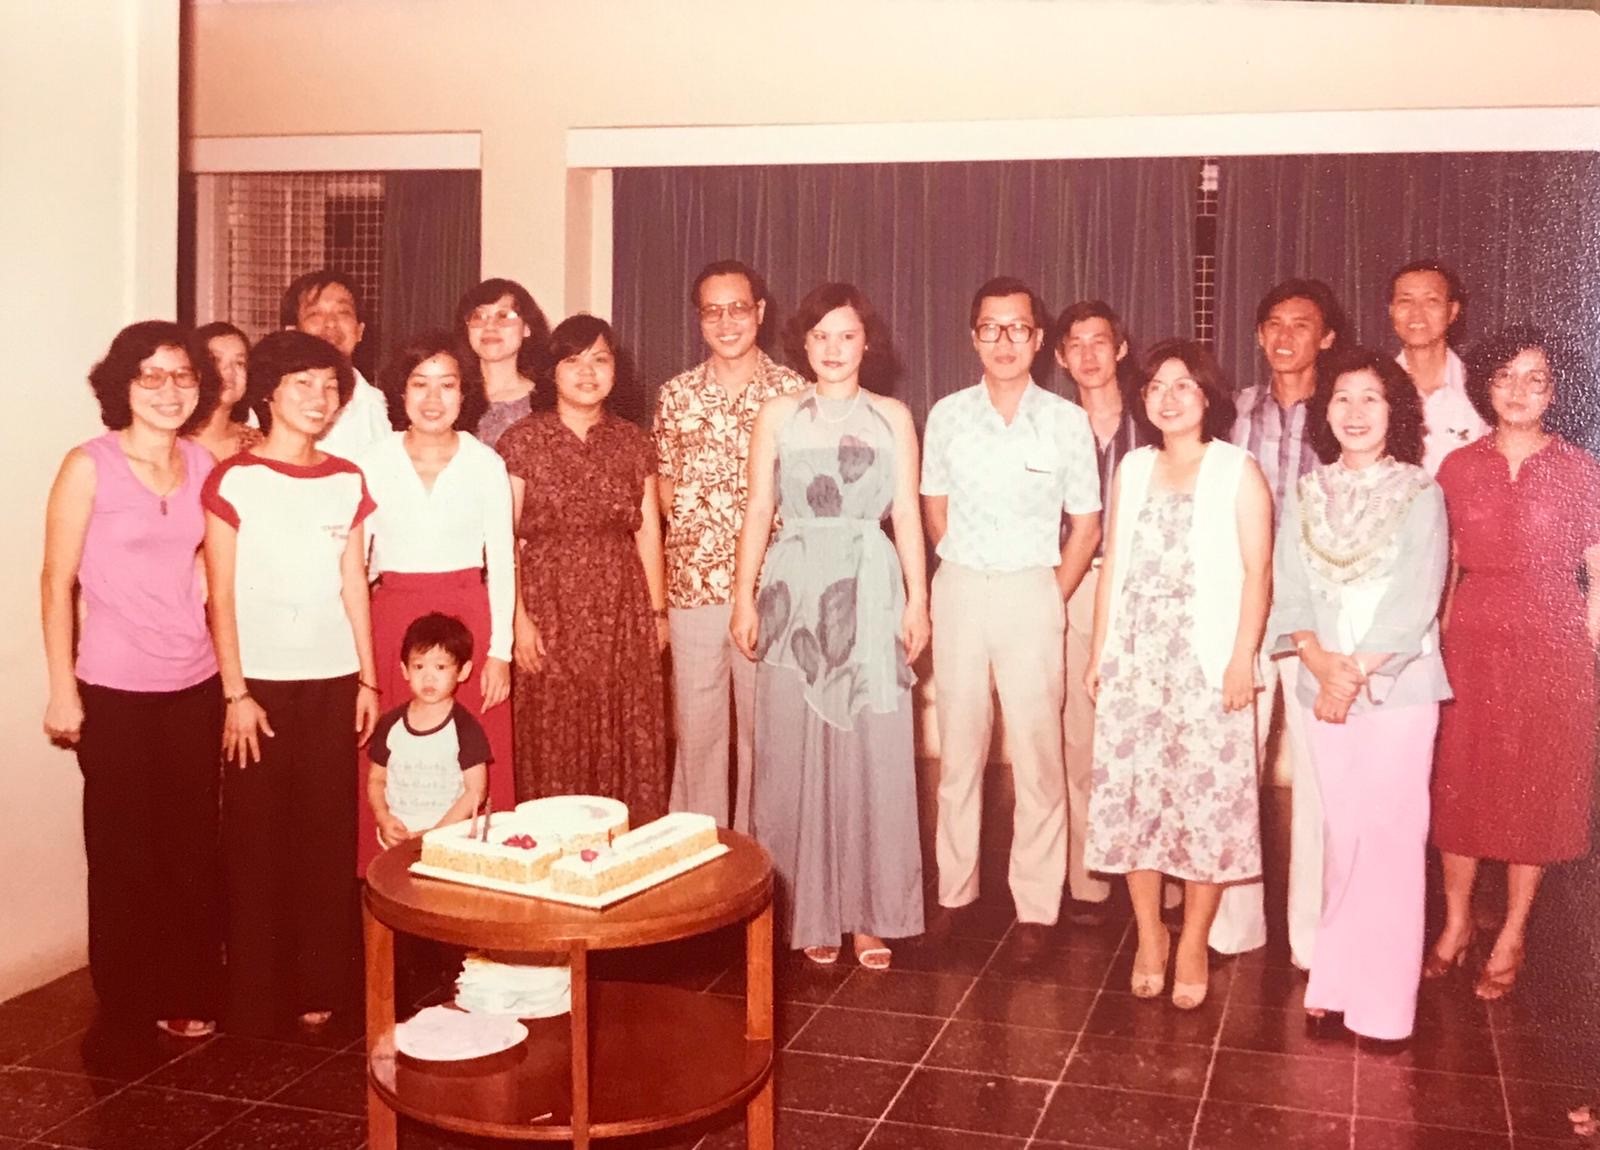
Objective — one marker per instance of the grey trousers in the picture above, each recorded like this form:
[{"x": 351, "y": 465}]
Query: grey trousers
[{"x": 708, "y": 670}]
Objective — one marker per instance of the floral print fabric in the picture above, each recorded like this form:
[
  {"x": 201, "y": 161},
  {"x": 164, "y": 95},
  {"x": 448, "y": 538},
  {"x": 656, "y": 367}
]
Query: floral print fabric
[
  {"x": 1174, "y": 782},
  {"x": 702, "y": 447}
]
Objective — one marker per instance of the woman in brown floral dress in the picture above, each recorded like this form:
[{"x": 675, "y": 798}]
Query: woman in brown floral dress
[{"x": 591, "y": 623}]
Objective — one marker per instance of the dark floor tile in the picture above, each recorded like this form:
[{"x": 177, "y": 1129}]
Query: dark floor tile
[
  {"x": 70, "y": 998},
  {"x": 249, "y": 1068},
  {"x": 24, "y": 1032},
  {"x": 1027, "y": 1004},
  {"x": 795, "y": 978},
  {"x": 797, "y": 1128},
  {"x": 1087, "y": 1115},
  {"x": 1539, "y": 1109},
  {"x": 1429, "y": 1097},
  {"x": 1106, "y": 939},
  {"x": 991, "y": 1048},
  {"x": 1235, "y": 1126},
  {"x": 338, "y": 1033},
  {"x": 952, "y": 956},
  {"x": 114, "y": 1052},
  {"x": 1449, "y": 1004},
  {"x": 148, "y": 1119},
  {"x": 986, "y": 1103},
  {"x": 898, "y": 1136},
  {"x": 1159, "y": 1068},
  {"x": 829, "y": 1085},
  {"x": 1548, "y": 1058},
  {"x": 1154, "y": 1020},
  {"x": 11, "y": 1143},
  {"x": 1456, "y": 1051},
  {"x": 867, "y": 1034},
  {"x": 274, "y": 1128},
  {"x": 1060, "y": 966},
  {"x": 1272, "y": 1031},
  {"x": 1278, "y": 987},
  {"x": 32, "y": 1101},
  {"x": 1376, "y": 1134},
  {"x": 1282, "y": 1080},
  {"x": 904, "y": 992},
  {"x": 337, "y": 1086}
]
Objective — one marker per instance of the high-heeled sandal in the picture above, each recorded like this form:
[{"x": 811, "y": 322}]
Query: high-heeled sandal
[
  {"x": 822, "y": 955},
  {"x": 1151, "y": 984},
  {"x": 1495, "y": 983},
  {"x": 1437, "y": 965},
  {"x": 1191, "y": 995}
]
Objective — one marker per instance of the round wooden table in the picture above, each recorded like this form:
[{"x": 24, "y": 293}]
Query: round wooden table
[{"x": 630, "y": 1057}]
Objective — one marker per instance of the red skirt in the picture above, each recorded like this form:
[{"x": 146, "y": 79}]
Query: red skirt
[{"x": 397, "y": 600}]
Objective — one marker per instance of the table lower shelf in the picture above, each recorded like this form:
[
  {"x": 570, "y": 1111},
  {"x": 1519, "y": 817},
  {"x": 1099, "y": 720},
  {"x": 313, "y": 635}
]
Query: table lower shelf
[{"x": 659, "y": 1057}]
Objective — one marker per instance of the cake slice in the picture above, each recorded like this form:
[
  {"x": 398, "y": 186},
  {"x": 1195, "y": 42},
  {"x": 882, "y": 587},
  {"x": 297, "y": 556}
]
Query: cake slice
[{"x": 635, "y": 855}]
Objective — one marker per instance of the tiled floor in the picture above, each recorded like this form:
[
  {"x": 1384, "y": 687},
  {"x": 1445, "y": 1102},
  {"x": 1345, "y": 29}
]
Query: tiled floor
[{"x": 958, "y": 1048}]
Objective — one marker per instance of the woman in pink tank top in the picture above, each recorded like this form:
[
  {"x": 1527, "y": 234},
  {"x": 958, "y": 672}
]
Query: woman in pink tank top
[{"x": 141, "y": 702}]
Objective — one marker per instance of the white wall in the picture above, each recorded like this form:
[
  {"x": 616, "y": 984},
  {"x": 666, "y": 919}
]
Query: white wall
[{"x": 88, "y": 180}]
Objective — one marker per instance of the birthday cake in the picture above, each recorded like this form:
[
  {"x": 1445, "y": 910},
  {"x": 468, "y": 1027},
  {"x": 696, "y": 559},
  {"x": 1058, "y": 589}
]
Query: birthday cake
[
  {"x": 581, "y": 822},
  {"x": 512, "y": 849},
  {"x": 595, "y": 871}
]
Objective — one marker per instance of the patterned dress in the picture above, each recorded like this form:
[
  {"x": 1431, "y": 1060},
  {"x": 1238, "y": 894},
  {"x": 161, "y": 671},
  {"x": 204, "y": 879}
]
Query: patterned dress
[
  {"x": 835, "y": 797},
  {"x": 592, "y": 721},
  {"x": 1174, "y": 783}
]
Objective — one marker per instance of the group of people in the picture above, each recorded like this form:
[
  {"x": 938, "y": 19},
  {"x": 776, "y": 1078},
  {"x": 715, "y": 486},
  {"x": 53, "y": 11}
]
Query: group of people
[{"x": 457, "y": 587}]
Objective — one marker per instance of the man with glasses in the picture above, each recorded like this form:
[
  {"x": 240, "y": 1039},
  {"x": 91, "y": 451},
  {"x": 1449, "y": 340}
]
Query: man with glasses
[
  {"x": 327, "y": 304},
  {"x": 1001, "y": 462},
  {"x": 1425, "y": 300},
  {"x": 702, "y": 431}
]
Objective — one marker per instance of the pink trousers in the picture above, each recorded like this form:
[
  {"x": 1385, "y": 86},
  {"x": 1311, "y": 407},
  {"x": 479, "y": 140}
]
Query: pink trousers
[{"x": 1373, "y": 771}]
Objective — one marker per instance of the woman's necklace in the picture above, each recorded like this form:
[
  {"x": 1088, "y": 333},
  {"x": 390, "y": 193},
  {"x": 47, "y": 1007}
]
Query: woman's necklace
[
  {"x": 154, "y": 465},
  {"x": 848, "y": 410}
]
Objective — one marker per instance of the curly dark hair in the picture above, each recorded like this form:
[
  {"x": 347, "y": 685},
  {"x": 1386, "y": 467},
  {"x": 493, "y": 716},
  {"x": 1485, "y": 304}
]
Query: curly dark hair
[
  {"x": 530, "y": 356},
  {"x": 1217, "y": 422},
  {"x": 1489, "y": 355},
  {"x": 573, "y": 336},
  {"x": 282, "y": 353},
  {"x": 1404, "y": 438},
  {"x": 403, "y": 361},
  {"x": 878, "y": 364},
  {"x": 111, "y": 378}
]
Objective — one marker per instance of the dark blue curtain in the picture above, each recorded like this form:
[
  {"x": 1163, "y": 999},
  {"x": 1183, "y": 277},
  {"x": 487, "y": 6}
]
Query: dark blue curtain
[
  {"x": 917, "y": 238},
  {"x": 1522, "y": 229},
  {"x": 432, "y": 250}
]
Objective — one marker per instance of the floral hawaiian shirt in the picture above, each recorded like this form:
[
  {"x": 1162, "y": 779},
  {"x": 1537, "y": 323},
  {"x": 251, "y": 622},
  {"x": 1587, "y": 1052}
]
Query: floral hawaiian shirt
[{"x": 703, "y": 442}]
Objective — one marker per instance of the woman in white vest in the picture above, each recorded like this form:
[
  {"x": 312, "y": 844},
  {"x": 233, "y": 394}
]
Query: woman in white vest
[
  {"x": 1359, "y": 570},
  {"x": 1178, "y": 618}
]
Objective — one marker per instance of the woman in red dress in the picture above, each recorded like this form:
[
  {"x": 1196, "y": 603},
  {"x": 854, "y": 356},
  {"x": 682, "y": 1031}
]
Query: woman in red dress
[
  {"x": 591, "y": 619},
  {"x": 1516, "y": 749}
]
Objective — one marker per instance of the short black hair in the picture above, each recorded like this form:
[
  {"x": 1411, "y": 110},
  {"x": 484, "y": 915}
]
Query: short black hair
[
  {"x": 1001, "y": 286},
  {"x": 403, "y": 361},
  {"x": 758, "y": 285},
  {"x": 878, "y": 365},
  {"x": 573, "y": 336},
  {"x": 1086, "y": 309},
  {"x": 1454, "y": 290},
  {"x": 111, "y": 378},
  {"x": 282, "y": 353},
  {"x": 1319, "y": 293},
  {"x": 309, "y": 286},
  {"x": 491, "y": 291},
  {"x": 1489, "y": 355},
  {"x": 436, "y": 629},
  {"x": 1217, "y": 422},
  {"x": 1403, "y": 440},
  {"x": 200, "y": 354}
]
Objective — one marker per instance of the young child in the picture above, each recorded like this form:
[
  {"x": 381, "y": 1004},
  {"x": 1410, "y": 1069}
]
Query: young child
[{"x": 430, "y": 758}]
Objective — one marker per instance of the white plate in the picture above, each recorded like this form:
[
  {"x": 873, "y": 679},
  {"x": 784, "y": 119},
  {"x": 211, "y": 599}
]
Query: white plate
[
  {"x": 543, "y": 889},
  {"x": 443, "y": 1034}
]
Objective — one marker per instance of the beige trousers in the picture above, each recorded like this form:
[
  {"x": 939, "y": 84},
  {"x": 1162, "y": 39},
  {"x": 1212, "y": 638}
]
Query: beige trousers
[
  {"x": 1077, "y": 724},
  {"x": 1000, "y": 633},
  {"x": 705, "y": 663}
]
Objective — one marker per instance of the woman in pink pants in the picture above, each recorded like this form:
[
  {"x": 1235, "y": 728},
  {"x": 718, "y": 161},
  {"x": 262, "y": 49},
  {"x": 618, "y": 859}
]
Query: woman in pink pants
[{"x": 1359, "y": 567}]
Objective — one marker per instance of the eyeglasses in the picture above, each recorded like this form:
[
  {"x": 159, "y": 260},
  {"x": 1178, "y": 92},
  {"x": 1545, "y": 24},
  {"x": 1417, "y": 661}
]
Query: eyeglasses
[
  {"x": 1534, "y": 383},
  {"x": 1015, "y": 332},
  {"x": 152, "y": 378},
  {"x": 738, "y": 309},
  {"x": 493, "y": 317},
  {"x": 1182, "y": 386}
]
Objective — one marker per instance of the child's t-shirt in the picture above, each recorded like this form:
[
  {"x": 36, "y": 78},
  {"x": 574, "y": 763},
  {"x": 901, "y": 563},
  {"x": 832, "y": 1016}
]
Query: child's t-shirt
[{"x": 425, "y": 766}]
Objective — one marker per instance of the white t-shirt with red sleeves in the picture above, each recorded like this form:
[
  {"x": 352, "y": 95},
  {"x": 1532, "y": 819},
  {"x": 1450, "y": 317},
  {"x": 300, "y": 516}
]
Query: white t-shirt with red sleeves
[{"x": 293, "y": 523}]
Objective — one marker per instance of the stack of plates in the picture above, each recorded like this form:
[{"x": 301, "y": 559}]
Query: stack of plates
[{"x": 514, "y": 989}]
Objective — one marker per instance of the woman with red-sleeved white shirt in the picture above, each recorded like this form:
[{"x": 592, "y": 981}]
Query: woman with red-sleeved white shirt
[
  {"x": 286, "y": 555},
  {"x": 441, "y": 541}
]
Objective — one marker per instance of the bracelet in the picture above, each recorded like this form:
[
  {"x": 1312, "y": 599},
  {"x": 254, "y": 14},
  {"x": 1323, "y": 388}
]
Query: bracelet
[
  {"x": 239, "y": 698},
  {"x": 368, "y": 686}
]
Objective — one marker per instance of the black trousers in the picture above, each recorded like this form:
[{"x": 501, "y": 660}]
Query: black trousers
[
  {"x": 289, "y": 837},
  {"x": 151, "y": 767}
]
